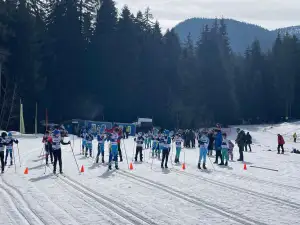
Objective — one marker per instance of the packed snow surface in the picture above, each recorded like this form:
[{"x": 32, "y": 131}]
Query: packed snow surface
[{"x": 149, "y": 195}]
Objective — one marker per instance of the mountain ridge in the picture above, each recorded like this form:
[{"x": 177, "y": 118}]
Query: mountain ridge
[{"x": 241, "y": 34}]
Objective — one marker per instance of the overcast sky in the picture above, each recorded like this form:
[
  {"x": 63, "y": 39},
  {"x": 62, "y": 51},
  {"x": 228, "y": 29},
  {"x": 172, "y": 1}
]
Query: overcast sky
[{"x": 270, "y": 14}]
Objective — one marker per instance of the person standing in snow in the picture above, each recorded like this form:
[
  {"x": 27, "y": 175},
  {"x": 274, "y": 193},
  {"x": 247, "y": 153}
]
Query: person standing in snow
[
  {"x": 83, "y": 145},
  {"x": 9, "y": 147},
  {"x": 281, "y": 142},
  {"x": 240, "y": 141},
  {"x": 178, "y": 142},
  {"x": 101, "y": 140},
  {"x": 56, "y": 142},
  {"x": 165, "y": 149},
  {"x": 248, "y": 142},
  {"x": 203, "y": 144},
  {"x": 139, "y": 146},
  {"x": 113, "y": 153},
  {"x": 47, "y": 140},
  {"x": 295, "y": 137},
  {"x": 230, "y": 150},
  {"x": 225, "y": 149},
  {"x": 218, "y": 143},
  {"x": 154, "y": 145},
  {"x": 120, "y": 134},
  {"x": 89, "y": 143},
  {"x": 3, "y": 143},
  {"x": 211, "y": 142}
]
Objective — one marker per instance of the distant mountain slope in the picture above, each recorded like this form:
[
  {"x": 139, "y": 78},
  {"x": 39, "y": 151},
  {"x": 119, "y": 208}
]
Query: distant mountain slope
[
  {"x": 241, "y": 34},
  {"x": 294, "y": 30}
]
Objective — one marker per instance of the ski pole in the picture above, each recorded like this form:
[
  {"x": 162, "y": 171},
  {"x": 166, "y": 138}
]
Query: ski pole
[
  {"x": 14, "y": 160},
  {"x": 75, "y": 158},
  {"x": 125, "y": 153},
  {"x": 211, "y": 163},
  {"x": 19, "y": 155},
  {"x": 41, "y": 151}
]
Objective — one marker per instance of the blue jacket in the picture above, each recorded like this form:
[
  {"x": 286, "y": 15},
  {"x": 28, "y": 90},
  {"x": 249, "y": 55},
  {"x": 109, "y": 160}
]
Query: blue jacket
[{"x": 218, "y": 141}]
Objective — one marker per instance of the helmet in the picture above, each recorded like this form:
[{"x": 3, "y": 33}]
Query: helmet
[
  {"x": 238, "y": 129},
  {"x": 140, "y": 134},
  {"x": 56, "y": 132},
  {"x": 3, "y": 134},
  {"x": 9, "y": 134}
]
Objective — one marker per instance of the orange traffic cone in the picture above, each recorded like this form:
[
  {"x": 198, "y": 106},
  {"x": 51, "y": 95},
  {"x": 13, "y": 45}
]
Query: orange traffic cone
[
  {"x": 183, "y": 166},
  {"x": 245, "y": 166},
  {"x": 26, "y": 170},
  {"x": 131, "y": 166},
  {"x": 82, "y": 169}
]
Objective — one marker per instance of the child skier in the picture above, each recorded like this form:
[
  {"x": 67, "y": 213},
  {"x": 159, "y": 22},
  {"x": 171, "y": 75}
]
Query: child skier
[
  {"x": 56, "y": 142},
  {"x": 9, "y": 147},
  {"x": 149, "y": 139},
  {"x": 3, "y": 143},
  {"x": 203, "y": 144},
  {"x": 113, "y": 152},
  {"x": 83, "y": 136},
  {"x": 139, "y": 146},
  {"x": 47, "y": 140},
  {"x": 154, "y": 145},
  {"x": 225, "y": 149},
  {"x": 230, "y": 150},
  {"x": 165, "y": 149},
  {"x": 101, "y": 140},
  {"x": 178, "y": 142},
  {"x": 89, "y": 143}
]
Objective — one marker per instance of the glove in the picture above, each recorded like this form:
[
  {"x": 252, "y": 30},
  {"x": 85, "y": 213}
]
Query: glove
[
  {"x": 69, "y": 142},
  {"x": 17, "y": 142}
]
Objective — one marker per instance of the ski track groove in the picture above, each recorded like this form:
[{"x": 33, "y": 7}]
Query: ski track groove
[
  {"x": 107, "y": 202},
  {"x": 92, "y": 206},
  {"x": 196, "y": 201},
  {"x": 34, "y": 216},
  {"x": 286, "y": 202}
]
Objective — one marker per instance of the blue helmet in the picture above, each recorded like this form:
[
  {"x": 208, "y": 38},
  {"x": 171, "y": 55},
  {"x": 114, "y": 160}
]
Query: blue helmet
[
  {"x": 9, "y": 134},
  {"x": 56, "y": 132},
  {"x": 166, "y": 132}
]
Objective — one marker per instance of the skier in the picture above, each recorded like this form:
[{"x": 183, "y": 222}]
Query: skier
[
  {"x": 161, "y": 145},
  {"x": 3, "y": 143},
  {"x": 165, "y": 149},
  {"x": 218, "y": 143},
  {"x": 113, "y": 152},
  {"x": 295, "y": 137},
  {"x": 230, "y": 151},
  {"x": 178, "y": 142},
  {"x": 203, "y": 144},
  {"x": 47, "y": 140},
  {"x": 83, "y": 136},
  {"x": 89, "y": 143},
  {"x": 154, "y": 145},
  {"x": 146, "y": 140},
  {"x": 139, "y": 146},
  {"x": 248, "y": 141},
  {"x": 101, "y": 140},
  {"x": 149, "y": 139},
  {"x": 281, "y": 142},
  {"x": 9, "y": 147},
  {"x": 240, "y": 140},
  {"x": 211, "y": 142},
  {"x": 225, "y": 149},
  {"x": 119, "y": 143},
  {"x": 56, "y": 142}
]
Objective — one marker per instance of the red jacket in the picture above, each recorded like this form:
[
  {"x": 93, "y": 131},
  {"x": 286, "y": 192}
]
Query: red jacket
[{"x": 280, "y": 140}]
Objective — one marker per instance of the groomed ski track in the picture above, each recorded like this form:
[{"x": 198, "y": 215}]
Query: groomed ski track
[{"x": 154, "y": 196}]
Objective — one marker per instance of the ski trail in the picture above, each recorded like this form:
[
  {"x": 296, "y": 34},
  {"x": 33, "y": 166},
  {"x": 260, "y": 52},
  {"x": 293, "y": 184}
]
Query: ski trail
[
  {"x": 196, "y": 201},
  {"x": 122, "y": 211},
  {"x": 243, "y": 190},
  {"x": 22, "y": 206}
]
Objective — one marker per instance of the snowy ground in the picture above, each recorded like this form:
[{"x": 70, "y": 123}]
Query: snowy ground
[{"x": 151, "y": 196}]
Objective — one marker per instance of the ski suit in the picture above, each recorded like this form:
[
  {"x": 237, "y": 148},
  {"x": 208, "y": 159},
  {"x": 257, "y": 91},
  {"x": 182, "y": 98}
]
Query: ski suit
[
  {"x": 165, "y": 151},
  {"x": 89, "y": 144},
  {"x": 3, "y": 143},
  {"x": 9, "y": 149},
  {"x": 161, "y": 146},
  {"x": 101, "y": 141},
  {"x": 56, "y": 142},
  {"x": 240, "y": 140},
  {"x": 225, "y": 149},
  {"x": 281, "y": 142},
  {"x": 139, "y": 148},
  {"x": 47, "y": 140},
  {"x": 154, "y": 145},
  {"x": 178, "y": 141},
  {"x": 203, "y": 144},
  {"x": 83, "y": 144},
  {"x": 218, "y": 143},
  {"x": 113, "y": 152}
]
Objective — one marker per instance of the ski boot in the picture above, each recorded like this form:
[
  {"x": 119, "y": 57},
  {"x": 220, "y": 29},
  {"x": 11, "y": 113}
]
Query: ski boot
[
  {"x": 204, "y": 166},
  {"x": 97, "y": 159},
  {"x": 199, "y": 167},
  {"x": 102, "y": 159},
  {"x": 221, "y": 164},
  {"x": 2, "y": 171},
  {"x": 166, "y": 166},
  {"x": 226, "y": 164},
  {"x": 5, "y": 163},
  {"x": 109, "y": 167},
  {"x": 11, "y": 163},
  {"x": 116, "y": 167},
  {"x": 162, "y": 166}
]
